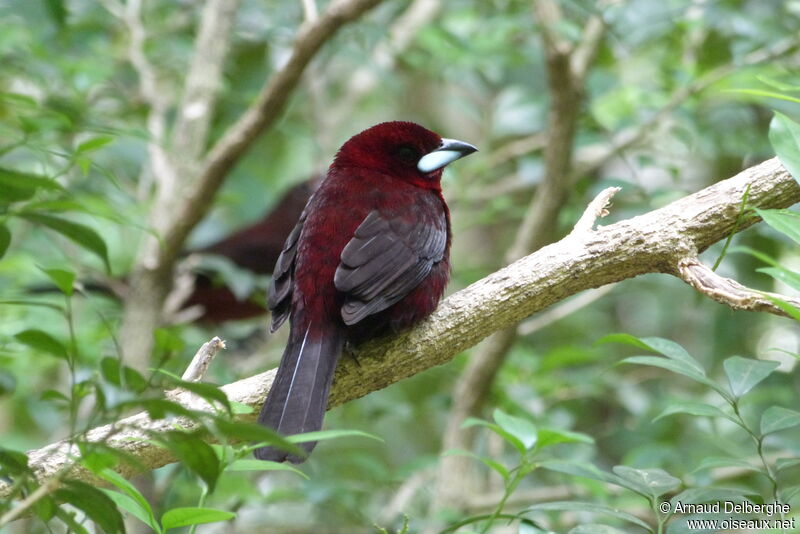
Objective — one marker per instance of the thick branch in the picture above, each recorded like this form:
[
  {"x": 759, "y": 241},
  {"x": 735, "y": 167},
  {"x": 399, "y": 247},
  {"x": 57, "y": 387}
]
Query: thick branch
[
  {"x": 728, "y": 291},
  {"x": 657, "y": 241}
]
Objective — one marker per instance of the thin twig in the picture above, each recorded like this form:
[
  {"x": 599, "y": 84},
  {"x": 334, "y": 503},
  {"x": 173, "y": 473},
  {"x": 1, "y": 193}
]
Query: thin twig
[
  {"x": 728, "y": 291},
  {"x": 597, "y": 208},
  {"x": 38, "y": 494},
  {"x": 202, "y": 359}
]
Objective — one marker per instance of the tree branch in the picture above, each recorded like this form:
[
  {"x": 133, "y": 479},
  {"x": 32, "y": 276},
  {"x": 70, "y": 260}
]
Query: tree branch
[
  {"x": 204, "y": 79},
  {"x": 658, "y": 241},
  {"x": 727, "y": 291}
]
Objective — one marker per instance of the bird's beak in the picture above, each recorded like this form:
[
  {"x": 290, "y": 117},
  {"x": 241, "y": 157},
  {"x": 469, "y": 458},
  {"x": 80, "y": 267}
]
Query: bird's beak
[{"x": 449, "y": 151}]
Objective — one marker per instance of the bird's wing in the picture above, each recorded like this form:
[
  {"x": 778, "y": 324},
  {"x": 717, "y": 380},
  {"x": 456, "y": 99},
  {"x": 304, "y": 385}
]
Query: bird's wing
[
  {"x": 385, "y": 260},
  {"x": 279, "y": 296}
]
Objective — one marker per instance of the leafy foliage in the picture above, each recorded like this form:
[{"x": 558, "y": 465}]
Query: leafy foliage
[{"x": 575, "y": 442}]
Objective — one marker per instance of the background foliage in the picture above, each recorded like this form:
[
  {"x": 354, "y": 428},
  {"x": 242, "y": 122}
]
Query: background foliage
[{"x": 568, "y": 420}]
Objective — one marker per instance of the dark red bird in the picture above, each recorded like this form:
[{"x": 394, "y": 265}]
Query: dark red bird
[
  {"x": 369, "y": 255},
  {"x": 255, "y": 248}
]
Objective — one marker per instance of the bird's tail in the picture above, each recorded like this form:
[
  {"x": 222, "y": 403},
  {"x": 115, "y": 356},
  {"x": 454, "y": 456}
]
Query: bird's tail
[{"x": 299, "y": 395}]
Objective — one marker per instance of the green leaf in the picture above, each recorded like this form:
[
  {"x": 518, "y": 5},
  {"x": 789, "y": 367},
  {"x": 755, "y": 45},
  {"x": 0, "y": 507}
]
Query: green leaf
[
  {"x": 43, "y": 342},
  {"x": 553, "y": 436},
  {"x": 668, "y": 348},
  {"x": 45, "y": 508},
  {"x": 98, "y": 456},
  {"x": 240, "y": 408},
  {"x": 784, "y": 134},
  {"x": 453, "y": 527},
  {"x": 53, "y": 395},
  {"x": 94, "y": 144},
  {"x": 18, "y": 186},
  {"x": 488, "y": 462},
  {"x": 510, "y": 438},
  {"x": 96, "y": 459},
  {"x": 78, "y": 233},
  {"x": 784, "y": 221},
  {"x": 109, "y": 369},
  {"x": 322, "y": 435},
  {"x": 5, "y": 239},
  {"x": 756, "y": 254},
  {"x": 626, "y": 339},
  {"x": 790, "y": 309},
  {"x": 209, "y": 392},
  {"x": 679, "y": 368},
  {"x": 777, "y": 84},
  {"x": 68, "y": 517},
  {"x": 13, "y": 462},
  {"x": 765, "y": 94},
  {"x": 182, "y": 517},
  {"x": 673, "y": 351},
  {"x": 776, "y": 418},
  {"x": 195, "y": 454},
  {"x": 577, "y": 506},
  {"x": 94, "y": 503},
  {"x": 522, "y": 429},
  {"x": 62, "y": 278},
  {"x": 134, "y": 381},
  {"x": 242, "y": 431},
  {"x": 693, "y": 408},
  {"x": 580, "y": 469},
  {"x": 782, "y": 274},
  {"x": 132, "y": 500},
  {"x": 713, "y": 462},
  {"x": 251, "y": 464},
  {"x": 168, "y": 341},
  {"x": 745, "y": 373},
  {"x": 24, "y": 302},
  {"x": 57, "y": 12},
  {"x": 655, "y": 482},
  {"x": 126, "y": 503},
  {"x": 786, "y": 463}
]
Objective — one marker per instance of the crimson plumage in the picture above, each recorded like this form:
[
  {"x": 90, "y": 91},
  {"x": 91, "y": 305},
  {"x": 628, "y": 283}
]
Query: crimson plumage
[{"x": 369, "y": 255}]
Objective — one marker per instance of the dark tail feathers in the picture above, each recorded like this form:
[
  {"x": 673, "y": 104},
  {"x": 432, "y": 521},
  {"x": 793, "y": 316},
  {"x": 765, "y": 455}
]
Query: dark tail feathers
[{"x": 299, "y": 395}]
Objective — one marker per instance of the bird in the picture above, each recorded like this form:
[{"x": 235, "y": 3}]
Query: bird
[
  {"x": 369, "y": 256},
  {"x": 254, "y": 248}
]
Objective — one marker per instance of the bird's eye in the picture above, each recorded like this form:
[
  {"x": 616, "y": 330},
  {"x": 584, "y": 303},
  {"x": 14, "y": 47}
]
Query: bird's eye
[{"x": 407, "y": 153}]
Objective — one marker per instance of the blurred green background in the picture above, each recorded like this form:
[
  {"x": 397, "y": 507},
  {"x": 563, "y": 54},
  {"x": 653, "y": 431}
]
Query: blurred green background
[{"x": 71, "y": 111}]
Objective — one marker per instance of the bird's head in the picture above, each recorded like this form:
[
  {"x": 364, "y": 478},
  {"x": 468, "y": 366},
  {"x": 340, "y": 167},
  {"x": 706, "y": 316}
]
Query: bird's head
[{"x": 402, "y": 150}]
